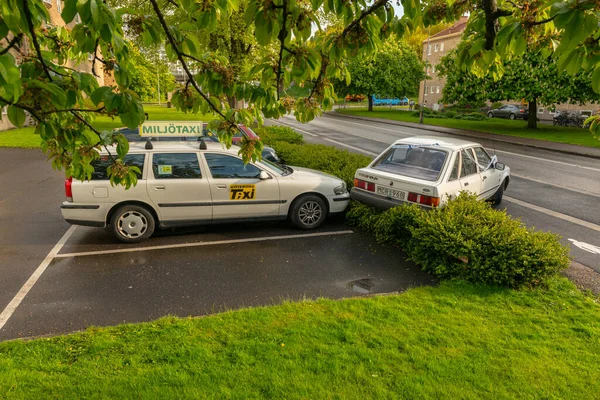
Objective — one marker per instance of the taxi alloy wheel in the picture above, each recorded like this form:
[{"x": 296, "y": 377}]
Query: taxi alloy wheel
[
  {"x": 132, "y": 224},
  {"x": 309, "y": 212}
]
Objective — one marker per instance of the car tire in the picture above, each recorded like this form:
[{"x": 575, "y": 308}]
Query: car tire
[
  {"x": 490, "y": 115},
  {"x": 308, "y": 212},
  {"x": 497, "y": 197},
  {"x": 132, "y": 223},
  {"x": 512, "y": 116}
]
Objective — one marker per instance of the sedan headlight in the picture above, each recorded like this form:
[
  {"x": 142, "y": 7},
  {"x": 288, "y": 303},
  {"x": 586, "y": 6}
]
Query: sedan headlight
[{"x": 340, "y": 189}]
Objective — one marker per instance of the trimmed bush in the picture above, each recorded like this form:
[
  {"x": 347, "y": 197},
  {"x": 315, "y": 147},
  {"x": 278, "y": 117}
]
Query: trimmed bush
[
  {"x": 458, "y": 116},
  {"x": 272, "y": 134},
  {"x": 450, "y": 114}
]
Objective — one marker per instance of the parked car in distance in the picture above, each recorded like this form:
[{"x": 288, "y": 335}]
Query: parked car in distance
[
  {"x": 510, "y": 111},
  {"x": 355, "y": 97},
  {"x": 186, "y": 183},
  {"x": 429, "y": 171},
  {"x": 384, "y": 101},
  {"x": 268, "y": 153}
]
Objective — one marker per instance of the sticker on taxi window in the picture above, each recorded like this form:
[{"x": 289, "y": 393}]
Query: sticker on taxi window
[
  {"x": 165, "y": 170},
  {"x": 242, "y": 192}
]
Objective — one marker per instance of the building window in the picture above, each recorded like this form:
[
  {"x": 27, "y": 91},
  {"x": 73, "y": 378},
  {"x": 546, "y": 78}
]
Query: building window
[
  {"x": 49, "y": 2},
  {"x": 437, "y": 89},
  {"x": 428, "y": 69},
  {"x": 59, "y": 6},
  {"x": 4, "y": 110},
  {"x": 436, "y": 47},
  {"x": 587, "y": 113},
  {"x": 433, "y": 69},
  {"x": 425, "y": 90},
  {"x": 442, "y": 46},
  {"x": 429, "y": 50},
  {"x": 552, "y": 110},
  {"x": 541, "y": 110}
]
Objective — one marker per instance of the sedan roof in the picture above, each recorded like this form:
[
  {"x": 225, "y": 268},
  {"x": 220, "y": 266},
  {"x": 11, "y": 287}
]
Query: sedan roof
[{"x": 442, "y": 142}]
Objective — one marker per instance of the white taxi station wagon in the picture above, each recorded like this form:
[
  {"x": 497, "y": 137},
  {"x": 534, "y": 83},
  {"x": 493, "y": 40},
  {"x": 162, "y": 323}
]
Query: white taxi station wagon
[
  {"x": 429, "y": 171},
  {"x": 196, "y": 183}
]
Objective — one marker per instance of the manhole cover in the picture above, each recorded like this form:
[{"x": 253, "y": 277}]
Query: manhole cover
[{"x": 361, "y": 285}]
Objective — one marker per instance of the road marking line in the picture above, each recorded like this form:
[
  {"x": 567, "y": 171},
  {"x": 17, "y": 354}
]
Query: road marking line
[
  {"x": 554, "y": 214},
  {"x": 547, "y": 160},
  {"x": 384, "y": 129},
  {"x": 554, "y": 185},
  {"x": 331, "y": 140},
  {"x": 14, "y": 303},
  {"x": 198, "y": 244}
]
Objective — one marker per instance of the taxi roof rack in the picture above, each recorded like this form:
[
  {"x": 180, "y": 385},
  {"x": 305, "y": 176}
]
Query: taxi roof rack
[
  {"x": 149, "y": 145},
  {"x": 202, "y": 144}
]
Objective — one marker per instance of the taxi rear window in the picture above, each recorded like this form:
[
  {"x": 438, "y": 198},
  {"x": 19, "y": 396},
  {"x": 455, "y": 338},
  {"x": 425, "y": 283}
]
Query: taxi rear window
[
  {"x": 100, "y": 165},
  {"x": 413, "y": 161}
]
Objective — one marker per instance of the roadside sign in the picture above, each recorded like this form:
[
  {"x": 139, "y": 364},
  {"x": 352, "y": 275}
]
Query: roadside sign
[{"x": 171, "y": 128}]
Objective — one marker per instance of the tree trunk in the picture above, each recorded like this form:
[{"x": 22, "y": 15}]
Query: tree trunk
[
  {"x": 232, "y": 100},
  {"x": 370, "y": 102},
  {"x": 532, "y": 119}
]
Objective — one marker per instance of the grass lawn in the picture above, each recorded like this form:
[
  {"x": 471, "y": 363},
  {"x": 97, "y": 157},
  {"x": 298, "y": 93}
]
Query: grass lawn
[
  {"x": 26, "y": 138},
  {"x": 452, "y": 341},
  {"x": 560, "y": 134}
]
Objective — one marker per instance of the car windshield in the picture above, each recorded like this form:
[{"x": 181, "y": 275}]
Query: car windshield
[
  {"x": 274, "y": 167},
  {"x": 413, "y": 161}
]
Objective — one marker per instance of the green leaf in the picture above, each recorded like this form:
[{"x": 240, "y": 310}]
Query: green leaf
[
  {"x": 94, "y": 10},
  {"x": 98, "y": 95},
  {"x": 122, "y": 146},
  {"x": 69, "y": 11},
  {"x": 596, "y": 79},
  {"x": 16, "y": 116}
]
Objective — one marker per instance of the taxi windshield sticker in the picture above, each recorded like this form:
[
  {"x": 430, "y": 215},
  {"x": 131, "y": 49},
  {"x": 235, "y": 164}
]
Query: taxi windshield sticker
[
  {"x": 242, "y": 192},
  {"x": 165, "y": 170}
]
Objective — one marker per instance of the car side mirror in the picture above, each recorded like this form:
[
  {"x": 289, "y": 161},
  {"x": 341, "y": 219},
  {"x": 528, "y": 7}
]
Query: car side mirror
[
  {"x": 500, "y": 166},
  {"x": 263, "y": 176}
]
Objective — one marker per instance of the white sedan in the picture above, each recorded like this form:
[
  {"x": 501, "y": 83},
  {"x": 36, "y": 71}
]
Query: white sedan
[
  {"x": 429, "y": 171},
  {"x": 183, "y": 184}
]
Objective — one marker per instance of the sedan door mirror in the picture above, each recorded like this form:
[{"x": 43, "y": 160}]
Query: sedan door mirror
[
  {"x": 500, "y": 166},
  {"x": 264, "y": 176}
]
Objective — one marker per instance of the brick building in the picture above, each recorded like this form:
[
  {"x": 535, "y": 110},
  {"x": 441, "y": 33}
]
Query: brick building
[
  {"x": 438, "y": 45},
  {"x": 54, "y": 9}
]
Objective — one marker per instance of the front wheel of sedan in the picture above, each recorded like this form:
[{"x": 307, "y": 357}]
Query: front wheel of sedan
[
  {"x": 490, "y": 115},
  {"x": 512, "y": 116},
  {"x": 308, "y": 212},
  {"x": 132, "y": 224}
]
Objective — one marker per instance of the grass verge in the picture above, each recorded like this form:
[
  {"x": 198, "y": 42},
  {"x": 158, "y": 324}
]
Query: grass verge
[
  {"x": 452, "y": 341},
  {"x": 26, "y": 138},
  {"x": 552, "y": 133}
]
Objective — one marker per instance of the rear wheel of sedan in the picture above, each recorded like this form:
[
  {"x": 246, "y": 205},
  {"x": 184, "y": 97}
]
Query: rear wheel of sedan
[
  {"x": 490, "y": 115},
  {"x": 512, "y": 116},
  {"x": 308, "y": 212},
  {"x": 132, "y": 224}
]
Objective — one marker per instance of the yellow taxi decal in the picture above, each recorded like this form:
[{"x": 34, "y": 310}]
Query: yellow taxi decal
[{"x": 242, "y": 192}]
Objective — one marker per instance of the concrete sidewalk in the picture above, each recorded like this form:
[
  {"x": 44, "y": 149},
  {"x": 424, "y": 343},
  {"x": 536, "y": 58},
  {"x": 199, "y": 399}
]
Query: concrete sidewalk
[{"x": 535, "y": 143}]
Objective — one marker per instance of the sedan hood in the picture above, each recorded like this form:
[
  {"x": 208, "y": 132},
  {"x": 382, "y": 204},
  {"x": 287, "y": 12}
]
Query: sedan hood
[{"x": 307, "y": 173}]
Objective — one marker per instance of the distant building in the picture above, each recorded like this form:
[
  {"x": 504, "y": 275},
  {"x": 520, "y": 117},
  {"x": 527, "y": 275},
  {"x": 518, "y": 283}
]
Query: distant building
[
  {"x": 55, "y": 7},
  {"x": 438, "y": 45}
]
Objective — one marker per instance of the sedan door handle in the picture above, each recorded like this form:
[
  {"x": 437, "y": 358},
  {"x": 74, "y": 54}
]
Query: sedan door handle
[
  {"x": 159, "y": 187},
  {"x": 466, "y": 183},
  {"x": 221, "y": 186},
  {"x": 485, "y": 177}
]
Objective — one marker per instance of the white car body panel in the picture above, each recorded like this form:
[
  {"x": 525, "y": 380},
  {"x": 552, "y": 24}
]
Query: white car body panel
[
  {"x": 179, "y": 202},
  {"x": 484, "y": 183}
]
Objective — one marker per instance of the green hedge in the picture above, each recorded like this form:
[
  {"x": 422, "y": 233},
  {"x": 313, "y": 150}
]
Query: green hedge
[{"x": 467, "y": 239}]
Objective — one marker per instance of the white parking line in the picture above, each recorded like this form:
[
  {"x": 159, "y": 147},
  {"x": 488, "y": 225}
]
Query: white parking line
[
  {"x": 554, "y": 214},
  {"x": 198, "y": 244},
  {"x": 14, "y": 303}
]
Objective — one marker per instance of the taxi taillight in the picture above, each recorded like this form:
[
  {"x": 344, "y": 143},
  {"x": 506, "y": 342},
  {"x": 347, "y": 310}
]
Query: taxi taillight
[
  {"x": 370, "y": 186},
  {"x": 69, "y": 188},
  {"x": 424, "y": 199}
]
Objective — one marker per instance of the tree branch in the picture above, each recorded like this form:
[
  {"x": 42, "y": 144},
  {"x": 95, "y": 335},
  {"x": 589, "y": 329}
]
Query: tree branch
[
  {"x": 171, "y": 39},
  {"x": 30, "y": 110},
  {"x": 378, "y": 4},
  {"x": 281, "y": 36},
  {"x": 97, "y": 110},
  {"x": 324, "y": 63},
  {"x": 15, "y": 40},
  {"x": 542, "y": 22},
  {"x": 34, "y": 38}
]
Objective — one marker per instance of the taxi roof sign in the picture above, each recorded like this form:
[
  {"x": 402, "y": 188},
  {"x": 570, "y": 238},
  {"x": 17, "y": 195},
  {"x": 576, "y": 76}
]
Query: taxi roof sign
[{"x": 171, "y": 128}]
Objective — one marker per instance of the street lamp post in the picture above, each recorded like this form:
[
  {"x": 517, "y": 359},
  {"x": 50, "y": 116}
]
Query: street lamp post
[{"x": 424, "y": 80}]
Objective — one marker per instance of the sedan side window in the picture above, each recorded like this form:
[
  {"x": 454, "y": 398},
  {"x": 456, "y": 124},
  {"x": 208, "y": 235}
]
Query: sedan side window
[
  {"x": 227, "y": 167},
  {"x": 469, "y": 167},
  {"x": 483, "y": 159},
  {"x": 176, "y": 166}
]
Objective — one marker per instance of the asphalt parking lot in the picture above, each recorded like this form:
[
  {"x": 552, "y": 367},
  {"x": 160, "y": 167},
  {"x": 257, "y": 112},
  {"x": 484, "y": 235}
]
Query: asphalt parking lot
[{"x": 62, "y": 279}]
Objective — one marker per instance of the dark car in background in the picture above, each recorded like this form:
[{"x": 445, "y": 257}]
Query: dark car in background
[
  {"x": 510, "y": 111},
  {"x": 268, "y": 153}
]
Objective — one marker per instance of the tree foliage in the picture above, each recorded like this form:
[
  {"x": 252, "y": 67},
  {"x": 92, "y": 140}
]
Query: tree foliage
[
  {"x": 532, "y": 77},
  {"x": 150, "y": 74},
  {"x": 394, "y": 71}
]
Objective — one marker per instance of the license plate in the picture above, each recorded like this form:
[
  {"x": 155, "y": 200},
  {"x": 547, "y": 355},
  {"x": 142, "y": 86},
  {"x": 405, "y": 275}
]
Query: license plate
[{"x": 393, "y": 193}]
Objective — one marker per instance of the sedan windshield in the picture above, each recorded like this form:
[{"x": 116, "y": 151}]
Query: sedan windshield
[
  {"x": 414, "y": 162},
  {"x": 274, "y": 167}
]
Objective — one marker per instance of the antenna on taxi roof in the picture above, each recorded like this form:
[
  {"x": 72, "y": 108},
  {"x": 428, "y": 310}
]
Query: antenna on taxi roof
[{"x": 202, "y": 144}]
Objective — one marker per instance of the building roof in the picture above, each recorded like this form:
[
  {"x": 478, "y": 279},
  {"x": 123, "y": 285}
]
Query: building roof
[{"x": 458, "y": 27}]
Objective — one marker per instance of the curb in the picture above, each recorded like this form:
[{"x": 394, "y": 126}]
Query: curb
[{"x": 469, "y": 133}]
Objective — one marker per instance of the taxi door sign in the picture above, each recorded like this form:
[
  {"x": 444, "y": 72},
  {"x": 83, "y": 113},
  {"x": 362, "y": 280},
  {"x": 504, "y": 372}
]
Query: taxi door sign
[{"x": 242, "y": 192}]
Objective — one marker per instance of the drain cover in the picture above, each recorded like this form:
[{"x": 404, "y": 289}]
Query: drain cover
[{"x": 361, "y": 285}]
